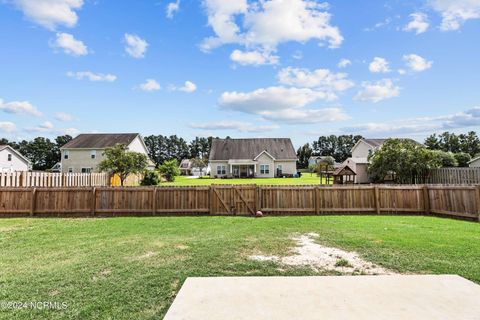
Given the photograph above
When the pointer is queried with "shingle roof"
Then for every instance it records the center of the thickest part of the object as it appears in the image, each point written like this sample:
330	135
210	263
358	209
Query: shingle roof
225	149
375	142
100	140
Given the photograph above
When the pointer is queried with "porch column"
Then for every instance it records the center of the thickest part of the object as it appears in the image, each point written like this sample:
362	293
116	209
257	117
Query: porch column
231	169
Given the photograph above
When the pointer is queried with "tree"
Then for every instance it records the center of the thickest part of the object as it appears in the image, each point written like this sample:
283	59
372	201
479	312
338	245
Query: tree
405	159
338	147
462	159
312	168
450	142
447	159
118	160
169	169
200	163
303	154
150	178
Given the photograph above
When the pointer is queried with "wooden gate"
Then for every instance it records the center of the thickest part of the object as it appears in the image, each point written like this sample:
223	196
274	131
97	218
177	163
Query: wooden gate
233	199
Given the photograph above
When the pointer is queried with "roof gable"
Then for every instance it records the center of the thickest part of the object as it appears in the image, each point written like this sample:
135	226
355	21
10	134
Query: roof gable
17	153
277	148
100	140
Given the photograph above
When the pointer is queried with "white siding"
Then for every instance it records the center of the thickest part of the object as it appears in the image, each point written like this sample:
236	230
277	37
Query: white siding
17	163
475	163
265	160
213	169
360	169
288	167
362	150
137	146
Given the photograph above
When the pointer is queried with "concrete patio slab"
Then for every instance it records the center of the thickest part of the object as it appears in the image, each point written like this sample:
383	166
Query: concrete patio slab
336	297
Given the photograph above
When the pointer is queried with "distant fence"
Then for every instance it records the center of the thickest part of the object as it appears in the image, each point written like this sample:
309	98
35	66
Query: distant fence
458	201
53	179
454	176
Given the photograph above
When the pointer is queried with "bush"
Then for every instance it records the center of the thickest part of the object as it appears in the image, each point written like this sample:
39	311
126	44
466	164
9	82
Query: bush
151	178
462	159
447	159
169	170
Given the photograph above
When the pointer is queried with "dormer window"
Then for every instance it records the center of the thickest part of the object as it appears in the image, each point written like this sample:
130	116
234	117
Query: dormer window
9	157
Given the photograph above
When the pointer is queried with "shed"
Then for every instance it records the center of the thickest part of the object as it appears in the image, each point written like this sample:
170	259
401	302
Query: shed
344	175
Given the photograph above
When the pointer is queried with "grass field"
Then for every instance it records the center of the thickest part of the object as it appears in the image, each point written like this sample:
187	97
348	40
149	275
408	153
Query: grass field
306	178
131	268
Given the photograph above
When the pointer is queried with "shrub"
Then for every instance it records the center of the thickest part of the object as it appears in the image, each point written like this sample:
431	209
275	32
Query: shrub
462	159
169	170
150	178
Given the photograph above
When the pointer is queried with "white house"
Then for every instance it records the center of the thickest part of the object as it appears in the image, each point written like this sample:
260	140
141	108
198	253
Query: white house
248	158
85	152
474	163
359	160
11	160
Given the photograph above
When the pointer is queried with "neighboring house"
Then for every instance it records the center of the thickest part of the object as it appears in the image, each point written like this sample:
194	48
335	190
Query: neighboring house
185	167
84	153
474	163
248	158
57	167
319	159
11	160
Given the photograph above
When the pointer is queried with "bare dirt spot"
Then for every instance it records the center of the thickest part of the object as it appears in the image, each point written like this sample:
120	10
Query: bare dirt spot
181	247
144	256
318	257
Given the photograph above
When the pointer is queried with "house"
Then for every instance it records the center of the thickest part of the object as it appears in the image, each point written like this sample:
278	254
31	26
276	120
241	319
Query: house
248	158
474	163
85	152
11	160
320	159
185	167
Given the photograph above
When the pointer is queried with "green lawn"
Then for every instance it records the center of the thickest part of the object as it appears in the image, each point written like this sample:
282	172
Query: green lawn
306	178
131	268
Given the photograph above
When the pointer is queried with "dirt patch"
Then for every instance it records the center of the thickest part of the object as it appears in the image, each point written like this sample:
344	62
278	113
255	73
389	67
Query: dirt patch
181	247
102	275
318	257
144	256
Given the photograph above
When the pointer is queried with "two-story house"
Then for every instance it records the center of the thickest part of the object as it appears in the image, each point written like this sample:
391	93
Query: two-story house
85	152
11	160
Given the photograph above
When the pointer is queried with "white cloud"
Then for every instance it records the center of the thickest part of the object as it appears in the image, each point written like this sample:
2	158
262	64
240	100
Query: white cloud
282	104
172	7
19	107
150	85
297	55
379	65
255	58
50	13
135	46
48	128
266	24
464	119
64	117
418	23
233	125
188	87
417	63
377	91
321	79
344	63
70	45
92	76
7	127
455	12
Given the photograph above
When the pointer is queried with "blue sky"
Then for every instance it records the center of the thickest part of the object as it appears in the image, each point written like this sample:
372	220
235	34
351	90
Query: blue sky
288	68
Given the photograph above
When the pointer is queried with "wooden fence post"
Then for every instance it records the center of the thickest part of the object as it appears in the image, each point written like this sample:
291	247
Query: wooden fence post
94	200
377	200
426	199
34	199
210	198
477	202
316	192
154	201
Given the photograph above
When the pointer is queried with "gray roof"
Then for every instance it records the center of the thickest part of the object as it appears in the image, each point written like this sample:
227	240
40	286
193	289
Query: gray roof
375	142
100	140
225	149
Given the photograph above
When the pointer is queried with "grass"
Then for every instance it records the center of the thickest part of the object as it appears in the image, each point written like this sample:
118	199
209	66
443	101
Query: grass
131	268
342	263
306	178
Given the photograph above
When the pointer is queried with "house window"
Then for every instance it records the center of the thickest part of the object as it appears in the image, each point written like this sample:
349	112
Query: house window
70	170
86	170
264	169
279	167
93	154
9	157
221	170
65	154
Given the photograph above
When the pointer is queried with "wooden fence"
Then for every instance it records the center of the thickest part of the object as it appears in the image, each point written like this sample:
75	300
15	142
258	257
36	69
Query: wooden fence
459	201
454	176
53	179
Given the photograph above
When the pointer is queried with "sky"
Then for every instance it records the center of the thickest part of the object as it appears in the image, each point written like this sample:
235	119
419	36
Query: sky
266	68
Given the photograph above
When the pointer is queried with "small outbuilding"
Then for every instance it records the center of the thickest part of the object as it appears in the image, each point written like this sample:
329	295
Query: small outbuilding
344	175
